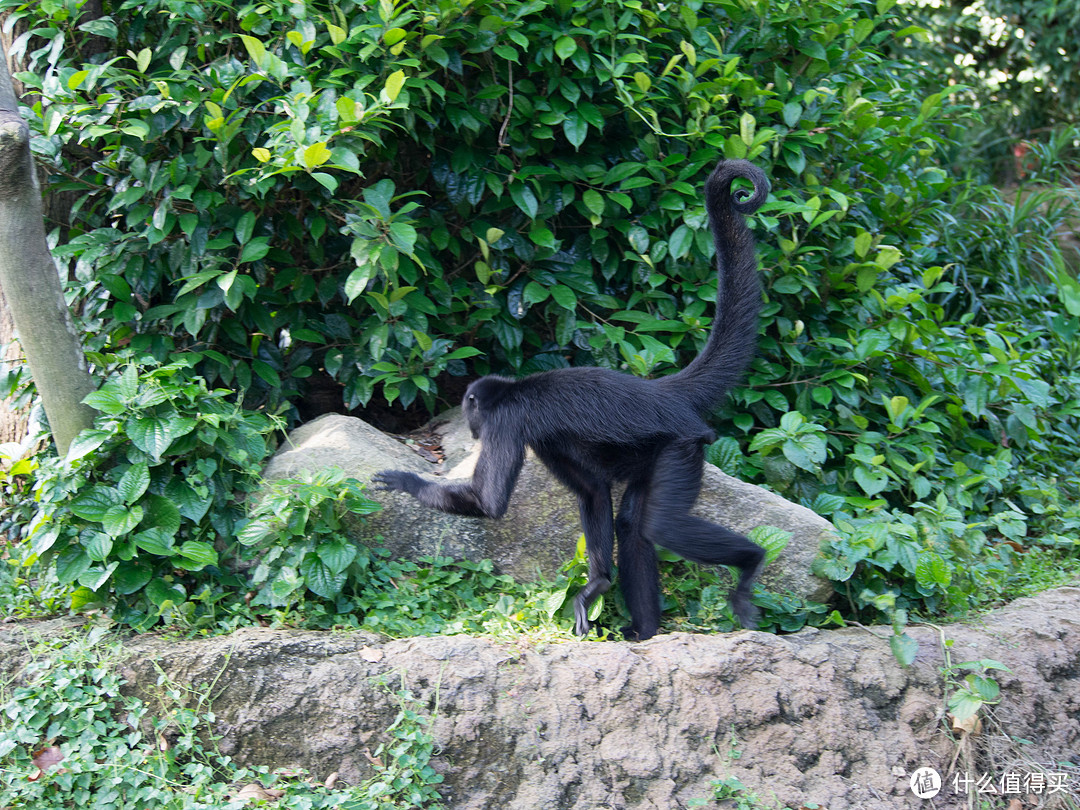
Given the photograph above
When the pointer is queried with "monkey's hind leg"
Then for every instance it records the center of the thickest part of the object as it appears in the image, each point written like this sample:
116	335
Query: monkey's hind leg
639	576
675	486
595	509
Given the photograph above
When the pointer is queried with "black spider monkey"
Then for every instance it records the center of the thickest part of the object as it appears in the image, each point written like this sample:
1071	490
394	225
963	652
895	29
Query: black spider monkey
593	426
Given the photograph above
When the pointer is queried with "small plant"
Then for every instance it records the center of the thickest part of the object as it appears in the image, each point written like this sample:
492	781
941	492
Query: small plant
731	790
139	511
969	688
296	532
403	777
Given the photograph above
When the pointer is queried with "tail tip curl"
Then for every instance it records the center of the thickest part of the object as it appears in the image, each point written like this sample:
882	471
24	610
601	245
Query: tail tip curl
718	186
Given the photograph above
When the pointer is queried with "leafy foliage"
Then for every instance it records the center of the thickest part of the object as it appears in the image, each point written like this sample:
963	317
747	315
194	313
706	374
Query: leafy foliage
362	188
73	737
390	193
296	530
140	508
1014	61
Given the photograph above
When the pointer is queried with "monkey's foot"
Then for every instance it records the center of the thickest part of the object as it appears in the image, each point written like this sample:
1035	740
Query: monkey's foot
745	611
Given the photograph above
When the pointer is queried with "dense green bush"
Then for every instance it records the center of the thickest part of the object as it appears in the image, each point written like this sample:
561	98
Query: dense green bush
382	191
140	509
392	194
1017	63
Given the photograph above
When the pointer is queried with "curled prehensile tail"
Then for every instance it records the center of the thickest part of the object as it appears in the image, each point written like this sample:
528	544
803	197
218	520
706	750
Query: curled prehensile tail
738	291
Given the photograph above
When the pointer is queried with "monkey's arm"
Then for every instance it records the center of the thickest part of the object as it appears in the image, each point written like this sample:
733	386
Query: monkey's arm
486	495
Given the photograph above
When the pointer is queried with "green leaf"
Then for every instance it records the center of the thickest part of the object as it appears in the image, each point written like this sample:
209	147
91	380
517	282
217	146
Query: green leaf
986	688
266	373
161	513
403	235
95	578
196	555
97	546
534	293
357	282
725	454
130	577
159	591
463	352
747	128
257	531
863	242
872	482
85	443
337	556
575	127
255	250
244	227
564	296
394	82
904	648
100	27
155	541
288	579
791	113
319	578
188	501
106	400
772	539
524	199
71	563
193	282
931	569
554	601
315	155
638	238
256	50
134	482
594	201
93	504
565	47
121	519
153	433
327	181
680	242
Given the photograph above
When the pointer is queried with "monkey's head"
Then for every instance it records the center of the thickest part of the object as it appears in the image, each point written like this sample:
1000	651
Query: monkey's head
481	398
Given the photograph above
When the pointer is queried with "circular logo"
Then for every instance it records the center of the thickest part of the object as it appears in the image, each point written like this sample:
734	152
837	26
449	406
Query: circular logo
926	783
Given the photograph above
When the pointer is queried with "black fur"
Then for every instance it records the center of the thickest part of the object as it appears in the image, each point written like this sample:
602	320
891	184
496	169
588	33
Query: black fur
592	427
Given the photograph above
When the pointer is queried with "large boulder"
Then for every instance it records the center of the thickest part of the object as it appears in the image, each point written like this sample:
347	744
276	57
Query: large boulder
821	718
540	529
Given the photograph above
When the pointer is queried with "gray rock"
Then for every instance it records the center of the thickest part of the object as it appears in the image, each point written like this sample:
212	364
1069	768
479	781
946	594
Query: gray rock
540	530
818	718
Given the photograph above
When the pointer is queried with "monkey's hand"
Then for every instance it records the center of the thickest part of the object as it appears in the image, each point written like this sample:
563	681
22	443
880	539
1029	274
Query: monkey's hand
397	481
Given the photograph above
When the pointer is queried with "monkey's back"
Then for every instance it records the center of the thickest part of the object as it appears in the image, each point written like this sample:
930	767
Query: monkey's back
601	406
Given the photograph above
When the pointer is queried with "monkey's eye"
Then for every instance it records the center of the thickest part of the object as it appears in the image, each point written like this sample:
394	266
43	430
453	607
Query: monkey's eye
472	397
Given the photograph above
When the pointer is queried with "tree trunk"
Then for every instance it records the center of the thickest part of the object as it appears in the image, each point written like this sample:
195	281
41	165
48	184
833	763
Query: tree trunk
13	423
31	284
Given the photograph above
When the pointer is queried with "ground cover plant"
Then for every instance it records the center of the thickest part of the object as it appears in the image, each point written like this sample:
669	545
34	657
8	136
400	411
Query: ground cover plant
71	736
378	200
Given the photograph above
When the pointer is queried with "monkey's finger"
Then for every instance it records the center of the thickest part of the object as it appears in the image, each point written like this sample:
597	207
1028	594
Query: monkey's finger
581	621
